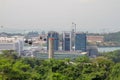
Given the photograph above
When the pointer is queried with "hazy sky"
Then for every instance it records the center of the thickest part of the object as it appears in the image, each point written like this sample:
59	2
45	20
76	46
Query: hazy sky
89	15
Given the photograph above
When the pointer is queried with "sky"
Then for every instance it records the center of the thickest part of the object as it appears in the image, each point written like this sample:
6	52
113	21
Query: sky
58	15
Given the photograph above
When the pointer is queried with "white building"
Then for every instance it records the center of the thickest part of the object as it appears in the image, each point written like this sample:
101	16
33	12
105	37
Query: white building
13	43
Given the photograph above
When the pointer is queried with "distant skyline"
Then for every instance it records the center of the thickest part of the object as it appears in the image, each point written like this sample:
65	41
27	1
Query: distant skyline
58	15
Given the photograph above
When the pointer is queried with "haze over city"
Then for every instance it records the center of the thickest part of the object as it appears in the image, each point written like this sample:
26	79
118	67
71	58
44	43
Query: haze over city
58	15
59	39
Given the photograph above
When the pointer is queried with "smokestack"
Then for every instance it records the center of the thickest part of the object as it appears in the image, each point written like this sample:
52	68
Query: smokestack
51	48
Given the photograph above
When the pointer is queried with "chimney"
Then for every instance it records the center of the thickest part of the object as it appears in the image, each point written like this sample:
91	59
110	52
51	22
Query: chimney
51	48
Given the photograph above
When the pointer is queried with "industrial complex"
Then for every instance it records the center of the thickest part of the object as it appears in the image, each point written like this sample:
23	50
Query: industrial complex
67	44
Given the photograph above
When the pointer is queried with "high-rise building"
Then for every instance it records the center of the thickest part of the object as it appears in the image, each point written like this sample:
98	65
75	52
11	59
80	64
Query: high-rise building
80	42
66	45
55	36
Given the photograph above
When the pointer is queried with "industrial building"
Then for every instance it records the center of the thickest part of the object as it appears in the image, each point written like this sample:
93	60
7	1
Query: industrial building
67	43
55	35
95	39
13	43
80	42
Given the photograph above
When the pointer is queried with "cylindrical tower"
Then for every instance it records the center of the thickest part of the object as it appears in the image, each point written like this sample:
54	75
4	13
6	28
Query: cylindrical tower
51	48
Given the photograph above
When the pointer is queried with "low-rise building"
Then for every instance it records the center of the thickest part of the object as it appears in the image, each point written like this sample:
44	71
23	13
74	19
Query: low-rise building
12	43
95	38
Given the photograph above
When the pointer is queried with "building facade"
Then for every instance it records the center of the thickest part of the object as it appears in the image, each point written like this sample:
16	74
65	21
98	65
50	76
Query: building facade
95	38
55	36
80	42
11	44
66	45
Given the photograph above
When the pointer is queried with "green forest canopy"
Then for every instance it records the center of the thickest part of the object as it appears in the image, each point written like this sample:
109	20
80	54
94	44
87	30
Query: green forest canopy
104	67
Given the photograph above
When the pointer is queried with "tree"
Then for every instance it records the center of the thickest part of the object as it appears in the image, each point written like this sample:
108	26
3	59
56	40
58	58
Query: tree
82	59
20	71
115	72
5	68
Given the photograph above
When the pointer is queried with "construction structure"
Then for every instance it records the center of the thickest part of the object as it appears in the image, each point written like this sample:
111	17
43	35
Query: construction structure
73	32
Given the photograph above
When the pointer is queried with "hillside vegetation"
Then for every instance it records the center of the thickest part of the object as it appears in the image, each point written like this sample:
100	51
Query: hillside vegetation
105	67
114	37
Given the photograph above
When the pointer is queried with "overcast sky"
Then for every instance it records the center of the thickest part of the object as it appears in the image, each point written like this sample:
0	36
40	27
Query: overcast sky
58	15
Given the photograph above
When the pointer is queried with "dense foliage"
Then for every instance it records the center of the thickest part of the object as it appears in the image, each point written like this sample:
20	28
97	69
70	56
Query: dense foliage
104	67
113	55
114	37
